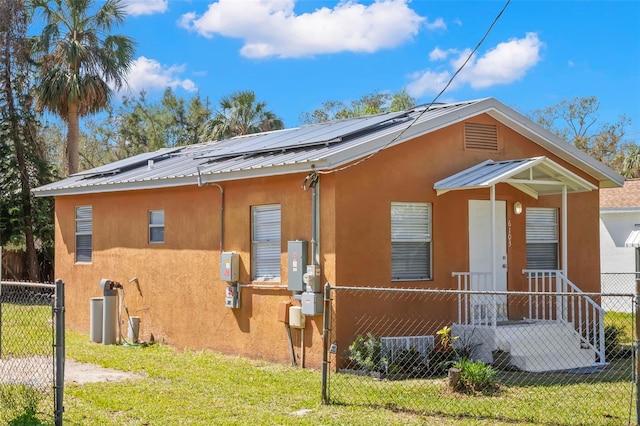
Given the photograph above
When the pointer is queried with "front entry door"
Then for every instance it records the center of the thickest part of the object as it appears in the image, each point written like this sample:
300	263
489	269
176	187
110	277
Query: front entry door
485	308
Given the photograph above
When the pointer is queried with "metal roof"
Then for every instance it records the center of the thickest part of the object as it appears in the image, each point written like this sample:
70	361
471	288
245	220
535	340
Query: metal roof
320	146
633	240
533	176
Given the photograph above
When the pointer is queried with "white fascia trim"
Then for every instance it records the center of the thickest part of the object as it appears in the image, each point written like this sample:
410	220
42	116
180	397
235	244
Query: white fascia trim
607	211
185	180
553	143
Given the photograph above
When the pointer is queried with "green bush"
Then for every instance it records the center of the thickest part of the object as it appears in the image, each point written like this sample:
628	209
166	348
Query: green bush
409	362
475	376
612	334
365	352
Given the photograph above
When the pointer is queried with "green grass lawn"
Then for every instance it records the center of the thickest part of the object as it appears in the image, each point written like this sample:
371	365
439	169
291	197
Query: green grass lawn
205	388
26	330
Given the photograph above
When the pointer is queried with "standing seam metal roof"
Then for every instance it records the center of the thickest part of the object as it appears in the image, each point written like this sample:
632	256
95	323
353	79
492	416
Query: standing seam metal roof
321	146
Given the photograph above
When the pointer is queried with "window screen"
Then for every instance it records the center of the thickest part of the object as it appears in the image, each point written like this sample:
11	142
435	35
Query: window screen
265	242
410	241
542	238
84	234
156	226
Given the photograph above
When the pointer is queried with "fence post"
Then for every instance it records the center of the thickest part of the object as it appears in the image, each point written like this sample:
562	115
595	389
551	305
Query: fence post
325	342
637	337
60	352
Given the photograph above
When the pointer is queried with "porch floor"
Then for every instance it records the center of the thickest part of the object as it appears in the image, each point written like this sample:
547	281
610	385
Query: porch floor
534	346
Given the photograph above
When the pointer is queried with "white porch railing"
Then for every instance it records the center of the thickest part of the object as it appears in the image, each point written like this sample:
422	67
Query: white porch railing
475	307
552	296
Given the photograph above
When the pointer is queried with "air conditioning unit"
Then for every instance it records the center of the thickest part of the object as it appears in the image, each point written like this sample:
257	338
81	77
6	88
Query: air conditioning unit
394	346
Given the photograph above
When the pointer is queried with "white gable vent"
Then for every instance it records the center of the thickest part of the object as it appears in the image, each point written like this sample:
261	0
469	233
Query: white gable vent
481	136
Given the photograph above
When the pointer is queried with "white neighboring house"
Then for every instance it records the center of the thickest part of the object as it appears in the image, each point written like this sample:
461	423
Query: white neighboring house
619	215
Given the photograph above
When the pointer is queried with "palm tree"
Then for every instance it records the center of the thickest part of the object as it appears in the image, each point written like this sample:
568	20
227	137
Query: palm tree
240	114
80	62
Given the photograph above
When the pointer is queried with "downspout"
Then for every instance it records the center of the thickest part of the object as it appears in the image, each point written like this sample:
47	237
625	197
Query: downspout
201	184
565	250
494	254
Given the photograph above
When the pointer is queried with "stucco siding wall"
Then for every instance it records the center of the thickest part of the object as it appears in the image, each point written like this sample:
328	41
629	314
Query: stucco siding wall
614	230
182	298
408	173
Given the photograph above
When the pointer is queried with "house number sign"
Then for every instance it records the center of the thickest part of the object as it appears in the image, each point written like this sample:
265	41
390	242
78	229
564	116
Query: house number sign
509	233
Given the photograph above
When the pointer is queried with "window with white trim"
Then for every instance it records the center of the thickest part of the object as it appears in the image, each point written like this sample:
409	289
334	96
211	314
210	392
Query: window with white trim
84	234
411	241
265	242
542	238
156	226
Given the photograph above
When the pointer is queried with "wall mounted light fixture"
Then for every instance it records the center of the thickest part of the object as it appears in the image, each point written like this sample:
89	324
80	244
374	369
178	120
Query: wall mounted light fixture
517	207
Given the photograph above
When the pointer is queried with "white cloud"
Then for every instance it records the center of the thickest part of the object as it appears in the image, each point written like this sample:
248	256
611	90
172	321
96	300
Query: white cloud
438	24
145	7
272	28
438	54
507	62
150	75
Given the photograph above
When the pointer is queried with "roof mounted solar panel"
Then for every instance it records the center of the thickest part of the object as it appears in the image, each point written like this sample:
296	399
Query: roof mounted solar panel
119	165
305	136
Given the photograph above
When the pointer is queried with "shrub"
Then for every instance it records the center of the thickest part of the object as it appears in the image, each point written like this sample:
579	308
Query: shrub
365	352
612	334
475	376
409	362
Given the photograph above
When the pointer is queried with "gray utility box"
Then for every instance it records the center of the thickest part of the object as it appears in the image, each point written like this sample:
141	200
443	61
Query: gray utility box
297	265
312	304
229	266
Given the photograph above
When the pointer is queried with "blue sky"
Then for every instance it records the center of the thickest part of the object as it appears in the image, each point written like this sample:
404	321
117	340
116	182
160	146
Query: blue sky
297	54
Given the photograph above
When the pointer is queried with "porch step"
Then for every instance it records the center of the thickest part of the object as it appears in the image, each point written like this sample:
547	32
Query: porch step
534	346
544	346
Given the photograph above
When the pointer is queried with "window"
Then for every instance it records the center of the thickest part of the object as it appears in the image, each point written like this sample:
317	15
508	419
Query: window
265	242
542	238
84	234
410	241
156	226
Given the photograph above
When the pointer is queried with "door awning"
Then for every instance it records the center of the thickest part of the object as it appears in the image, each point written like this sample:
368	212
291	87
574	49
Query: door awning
633	240
534	176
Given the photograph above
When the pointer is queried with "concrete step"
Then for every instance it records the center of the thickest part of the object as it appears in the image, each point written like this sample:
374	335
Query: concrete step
544	346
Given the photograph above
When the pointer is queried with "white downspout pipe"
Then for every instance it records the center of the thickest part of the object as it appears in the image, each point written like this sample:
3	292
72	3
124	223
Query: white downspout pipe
564	232
494	252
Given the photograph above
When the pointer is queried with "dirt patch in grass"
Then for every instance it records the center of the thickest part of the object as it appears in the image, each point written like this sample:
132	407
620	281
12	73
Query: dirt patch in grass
39	371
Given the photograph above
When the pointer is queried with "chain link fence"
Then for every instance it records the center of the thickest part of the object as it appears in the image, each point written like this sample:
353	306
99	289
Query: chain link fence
524	357
31	357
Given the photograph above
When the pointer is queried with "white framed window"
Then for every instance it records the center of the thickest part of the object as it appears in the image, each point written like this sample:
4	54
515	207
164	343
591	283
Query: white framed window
156	226
84	234
265	242
411	241
542	238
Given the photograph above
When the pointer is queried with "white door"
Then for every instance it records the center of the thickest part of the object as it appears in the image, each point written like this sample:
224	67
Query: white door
485	308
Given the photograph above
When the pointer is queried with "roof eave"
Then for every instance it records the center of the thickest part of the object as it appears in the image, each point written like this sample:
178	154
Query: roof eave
205	178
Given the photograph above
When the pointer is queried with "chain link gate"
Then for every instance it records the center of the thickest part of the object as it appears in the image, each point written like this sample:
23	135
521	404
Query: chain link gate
393	348
31	353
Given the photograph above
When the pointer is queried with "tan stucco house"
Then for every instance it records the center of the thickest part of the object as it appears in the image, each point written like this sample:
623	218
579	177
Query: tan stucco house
418	199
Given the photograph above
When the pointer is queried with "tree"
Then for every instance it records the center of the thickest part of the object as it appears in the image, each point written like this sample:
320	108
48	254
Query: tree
576	120
79	59
23	219
241	114
631	163
369	104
